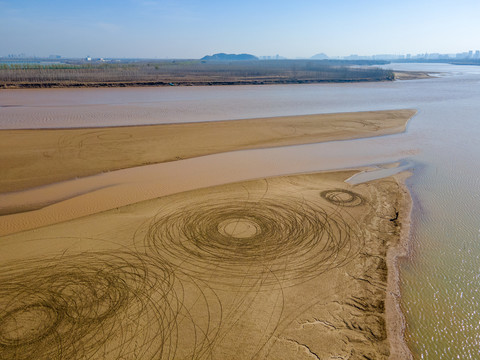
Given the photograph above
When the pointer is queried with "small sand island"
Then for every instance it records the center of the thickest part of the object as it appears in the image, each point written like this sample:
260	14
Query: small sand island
290	267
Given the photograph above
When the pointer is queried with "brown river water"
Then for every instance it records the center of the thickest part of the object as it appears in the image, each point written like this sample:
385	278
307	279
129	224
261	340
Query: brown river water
441	277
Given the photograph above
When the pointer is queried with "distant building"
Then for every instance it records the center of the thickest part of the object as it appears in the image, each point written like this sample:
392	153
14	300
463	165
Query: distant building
269	57
433	56
387	57
358	57
16	56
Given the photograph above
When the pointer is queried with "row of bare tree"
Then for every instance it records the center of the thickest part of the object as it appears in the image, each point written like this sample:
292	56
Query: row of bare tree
188	72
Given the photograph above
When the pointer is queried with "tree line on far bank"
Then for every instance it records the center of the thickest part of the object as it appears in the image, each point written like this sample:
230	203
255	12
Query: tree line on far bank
187	72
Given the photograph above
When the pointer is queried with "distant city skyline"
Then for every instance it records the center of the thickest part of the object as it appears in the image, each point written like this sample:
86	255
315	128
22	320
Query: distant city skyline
192	28
471	54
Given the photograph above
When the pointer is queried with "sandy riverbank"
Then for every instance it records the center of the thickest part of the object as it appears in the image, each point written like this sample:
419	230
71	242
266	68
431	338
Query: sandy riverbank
411	75
278	268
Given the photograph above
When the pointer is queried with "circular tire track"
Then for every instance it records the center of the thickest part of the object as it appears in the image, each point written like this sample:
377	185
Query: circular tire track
87	306
342	197
274	240
28	324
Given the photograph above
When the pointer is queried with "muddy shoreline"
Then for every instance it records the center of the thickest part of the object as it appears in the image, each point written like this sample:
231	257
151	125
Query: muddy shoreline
176	83
397	75
395	318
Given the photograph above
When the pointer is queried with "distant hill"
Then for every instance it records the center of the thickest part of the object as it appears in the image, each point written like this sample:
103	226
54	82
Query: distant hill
320	56
229	57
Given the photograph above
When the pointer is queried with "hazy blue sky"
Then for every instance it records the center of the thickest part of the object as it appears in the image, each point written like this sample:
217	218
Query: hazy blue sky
193	28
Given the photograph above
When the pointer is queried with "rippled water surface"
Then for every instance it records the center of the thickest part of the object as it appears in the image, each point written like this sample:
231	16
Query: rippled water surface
441	278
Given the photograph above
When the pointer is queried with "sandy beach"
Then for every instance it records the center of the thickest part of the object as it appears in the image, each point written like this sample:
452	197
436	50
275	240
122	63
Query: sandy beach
294	266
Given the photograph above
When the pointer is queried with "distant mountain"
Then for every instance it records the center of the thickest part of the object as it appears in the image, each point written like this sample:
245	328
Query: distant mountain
229	57
320	56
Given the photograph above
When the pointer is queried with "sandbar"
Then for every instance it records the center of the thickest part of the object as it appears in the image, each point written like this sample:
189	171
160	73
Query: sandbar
33	158
412	75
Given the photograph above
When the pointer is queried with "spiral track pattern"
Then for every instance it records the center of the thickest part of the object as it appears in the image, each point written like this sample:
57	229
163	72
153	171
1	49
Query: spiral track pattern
73	307
342	197
285	239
